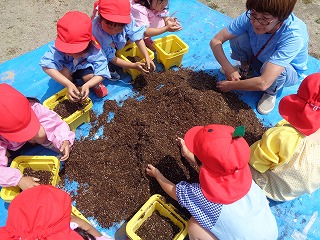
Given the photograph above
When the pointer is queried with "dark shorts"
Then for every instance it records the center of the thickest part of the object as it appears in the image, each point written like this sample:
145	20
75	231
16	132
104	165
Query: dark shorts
82	72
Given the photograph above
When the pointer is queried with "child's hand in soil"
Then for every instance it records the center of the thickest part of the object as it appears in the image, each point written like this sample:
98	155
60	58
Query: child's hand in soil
73	93
140	66
153	171
84	92
28	182
65	150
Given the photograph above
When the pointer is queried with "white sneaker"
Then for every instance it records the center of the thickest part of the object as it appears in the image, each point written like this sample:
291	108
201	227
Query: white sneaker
114	76
266	103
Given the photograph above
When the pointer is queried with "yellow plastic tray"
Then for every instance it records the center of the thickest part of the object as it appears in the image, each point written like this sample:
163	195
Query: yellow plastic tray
132	50
48	163
156	202
170	50
75	119
78	214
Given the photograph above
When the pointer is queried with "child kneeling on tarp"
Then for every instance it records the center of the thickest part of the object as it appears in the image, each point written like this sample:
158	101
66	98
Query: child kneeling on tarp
226	204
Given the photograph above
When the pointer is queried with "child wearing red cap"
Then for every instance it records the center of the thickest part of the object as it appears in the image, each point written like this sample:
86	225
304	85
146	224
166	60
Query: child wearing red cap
285	162
76	55
113	27
153	14
44	213
28	121
226	204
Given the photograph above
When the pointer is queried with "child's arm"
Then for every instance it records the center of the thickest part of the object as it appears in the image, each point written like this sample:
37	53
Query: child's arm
142	46
172	25
89	83
185	152
73	91
122	63
85	226
166	185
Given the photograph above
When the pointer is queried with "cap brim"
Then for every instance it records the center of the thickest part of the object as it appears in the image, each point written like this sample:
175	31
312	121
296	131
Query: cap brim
116	18
27	133
225	189
299	114
70	48
189	137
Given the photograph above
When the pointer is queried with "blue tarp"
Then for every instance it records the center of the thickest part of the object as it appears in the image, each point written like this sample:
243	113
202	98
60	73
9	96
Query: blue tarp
297	219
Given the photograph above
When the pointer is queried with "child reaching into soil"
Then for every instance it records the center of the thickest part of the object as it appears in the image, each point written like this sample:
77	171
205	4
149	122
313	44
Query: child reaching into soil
153	14
227	203
76	55
27	121
114	27
285	162
271	44
44	212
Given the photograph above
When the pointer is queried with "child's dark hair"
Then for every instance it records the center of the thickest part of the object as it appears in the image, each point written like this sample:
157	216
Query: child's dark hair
277	8
83	233
145	3
33	99
113	24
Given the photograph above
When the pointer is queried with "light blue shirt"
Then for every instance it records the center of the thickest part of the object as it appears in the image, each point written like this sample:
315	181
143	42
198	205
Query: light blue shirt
288	46
249	218
95	58
130	31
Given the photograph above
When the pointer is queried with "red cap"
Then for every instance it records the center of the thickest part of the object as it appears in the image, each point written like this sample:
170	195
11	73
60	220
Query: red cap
225	175
74	31
18	121
115	11
302	110
42	212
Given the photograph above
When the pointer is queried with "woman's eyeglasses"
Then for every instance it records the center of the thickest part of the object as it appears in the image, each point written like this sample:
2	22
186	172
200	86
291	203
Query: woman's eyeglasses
262	21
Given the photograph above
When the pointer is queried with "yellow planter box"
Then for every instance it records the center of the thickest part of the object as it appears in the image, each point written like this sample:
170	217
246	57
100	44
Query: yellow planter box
76	118
78	214
132	50
47	163
170	50
154	203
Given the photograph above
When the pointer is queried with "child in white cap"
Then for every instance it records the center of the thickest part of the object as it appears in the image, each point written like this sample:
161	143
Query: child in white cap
226	204
286	161
76	55
27	121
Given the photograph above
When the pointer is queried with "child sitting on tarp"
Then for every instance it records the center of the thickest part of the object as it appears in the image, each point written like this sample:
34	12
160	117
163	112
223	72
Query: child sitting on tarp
44	213
25	121
286	161
76	55
227	204
113	28
153	14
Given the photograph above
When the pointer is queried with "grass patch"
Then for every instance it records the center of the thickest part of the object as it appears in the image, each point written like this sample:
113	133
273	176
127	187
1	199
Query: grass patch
307	1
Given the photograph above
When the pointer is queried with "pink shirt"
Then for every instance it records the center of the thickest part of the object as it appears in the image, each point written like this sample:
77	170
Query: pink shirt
57	131
147	17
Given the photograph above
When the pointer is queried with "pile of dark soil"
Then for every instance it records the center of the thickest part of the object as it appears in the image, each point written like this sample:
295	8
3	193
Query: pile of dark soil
44	176
111	170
